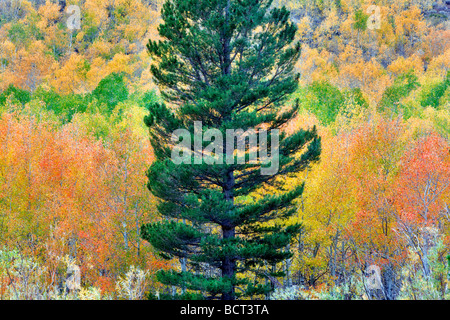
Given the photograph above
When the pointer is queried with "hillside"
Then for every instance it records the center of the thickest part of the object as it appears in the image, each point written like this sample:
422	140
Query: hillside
374	78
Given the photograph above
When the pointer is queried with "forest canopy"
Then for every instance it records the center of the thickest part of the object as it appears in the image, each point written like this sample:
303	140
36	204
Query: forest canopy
367	83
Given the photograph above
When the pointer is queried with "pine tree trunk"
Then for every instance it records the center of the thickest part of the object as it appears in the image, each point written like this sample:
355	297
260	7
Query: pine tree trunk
228	265
229	232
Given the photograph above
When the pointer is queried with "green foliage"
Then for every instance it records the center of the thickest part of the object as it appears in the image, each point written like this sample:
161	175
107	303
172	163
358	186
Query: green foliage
22	33
176	296
104	99
90	34
111	90
357	96
402	87
64	106
228	64
432	96
360	20
144	99
19	95
17	33
324	100
448	267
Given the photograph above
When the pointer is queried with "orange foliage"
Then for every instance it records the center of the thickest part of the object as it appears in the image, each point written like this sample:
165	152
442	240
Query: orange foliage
64	193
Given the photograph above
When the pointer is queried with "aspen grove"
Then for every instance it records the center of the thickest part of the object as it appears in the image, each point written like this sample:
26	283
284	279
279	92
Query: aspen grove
225	149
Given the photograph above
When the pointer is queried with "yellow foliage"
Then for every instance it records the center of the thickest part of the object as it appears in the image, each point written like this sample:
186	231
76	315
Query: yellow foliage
402	65
49	11
71	76
440	65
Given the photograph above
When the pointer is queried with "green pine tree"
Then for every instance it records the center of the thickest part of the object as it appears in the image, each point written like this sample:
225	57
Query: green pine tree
228	64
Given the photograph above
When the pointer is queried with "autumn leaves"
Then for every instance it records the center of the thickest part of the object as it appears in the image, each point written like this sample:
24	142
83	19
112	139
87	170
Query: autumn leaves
64	193
379	193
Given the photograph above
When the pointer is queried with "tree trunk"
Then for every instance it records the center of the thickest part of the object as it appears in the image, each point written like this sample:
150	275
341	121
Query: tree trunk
229	232
228	265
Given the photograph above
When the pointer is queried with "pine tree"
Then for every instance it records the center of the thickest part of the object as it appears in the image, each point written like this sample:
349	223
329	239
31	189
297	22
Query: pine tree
227	64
